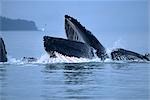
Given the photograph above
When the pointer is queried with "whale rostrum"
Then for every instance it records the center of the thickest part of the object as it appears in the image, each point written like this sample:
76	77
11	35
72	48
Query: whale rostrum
81	42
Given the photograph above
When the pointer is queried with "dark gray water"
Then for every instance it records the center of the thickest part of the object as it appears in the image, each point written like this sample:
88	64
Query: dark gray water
80	81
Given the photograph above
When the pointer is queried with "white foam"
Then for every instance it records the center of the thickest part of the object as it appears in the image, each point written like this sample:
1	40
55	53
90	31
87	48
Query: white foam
61	59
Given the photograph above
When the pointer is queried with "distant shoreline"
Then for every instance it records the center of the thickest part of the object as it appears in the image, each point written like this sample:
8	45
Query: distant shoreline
8	24
20	30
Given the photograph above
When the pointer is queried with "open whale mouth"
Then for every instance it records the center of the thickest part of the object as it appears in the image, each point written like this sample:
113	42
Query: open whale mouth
79	43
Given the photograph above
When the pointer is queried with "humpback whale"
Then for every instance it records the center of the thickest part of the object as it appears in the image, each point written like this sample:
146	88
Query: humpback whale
75	31
3	53
122	54
67	47
81	42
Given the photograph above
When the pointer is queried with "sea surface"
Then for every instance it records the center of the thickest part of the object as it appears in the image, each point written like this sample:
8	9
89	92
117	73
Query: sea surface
67	78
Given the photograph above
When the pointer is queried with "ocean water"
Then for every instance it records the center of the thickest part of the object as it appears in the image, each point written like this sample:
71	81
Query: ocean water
66	78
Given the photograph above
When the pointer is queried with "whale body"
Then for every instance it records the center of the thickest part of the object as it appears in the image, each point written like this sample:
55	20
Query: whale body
3	53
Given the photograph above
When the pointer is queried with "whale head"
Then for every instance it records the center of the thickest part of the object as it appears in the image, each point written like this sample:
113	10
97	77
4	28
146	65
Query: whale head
75	31
67	47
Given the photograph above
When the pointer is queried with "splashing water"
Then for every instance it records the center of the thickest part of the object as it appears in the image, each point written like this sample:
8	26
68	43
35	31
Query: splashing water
45	59
65	59
116	44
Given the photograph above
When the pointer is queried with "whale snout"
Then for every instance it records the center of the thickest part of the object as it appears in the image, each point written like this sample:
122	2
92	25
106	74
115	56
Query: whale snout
48	39
49	43
45	38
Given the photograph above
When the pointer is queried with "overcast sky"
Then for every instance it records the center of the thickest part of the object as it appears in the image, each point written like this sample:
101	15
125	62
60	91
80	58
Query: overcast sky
108	16
107	19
